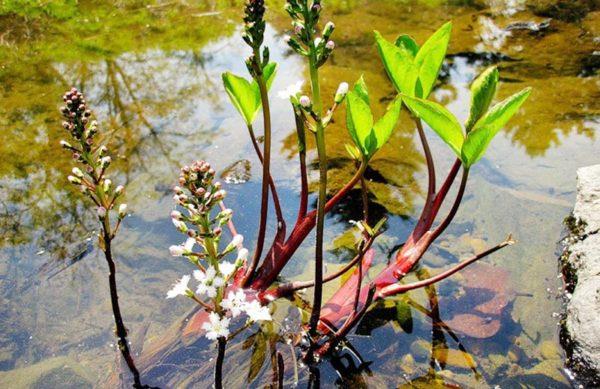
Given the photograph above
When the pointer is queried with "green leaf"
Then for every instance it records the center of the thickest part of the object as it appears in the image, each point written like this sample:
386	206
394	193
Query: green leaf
360	87
399	65
439	119
359	119
353	151
429	59
269	73
483	90
385	125
407	42
245	96
488	126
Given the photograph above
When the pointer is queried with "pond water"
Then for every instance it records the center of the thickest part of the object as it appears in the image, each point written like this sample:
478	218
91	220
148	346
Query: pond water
152	75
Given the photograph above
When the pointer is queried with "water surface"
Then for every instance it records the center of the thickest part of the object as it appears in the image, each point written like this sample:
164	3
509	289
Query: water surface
152	74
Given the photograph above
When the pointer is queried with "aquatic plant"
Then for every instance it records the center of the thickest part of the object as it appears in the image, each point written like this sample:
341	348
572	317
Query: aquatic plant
413	70
231	283
91	177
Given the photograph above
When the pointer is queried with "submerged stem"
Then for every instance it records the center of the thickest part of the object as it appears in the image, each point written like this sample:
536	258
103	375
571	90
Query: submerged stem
121	331
221	343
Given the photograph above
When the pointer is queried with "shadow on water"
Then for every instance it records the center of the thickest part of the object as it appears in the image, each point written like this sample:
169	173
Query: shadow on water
153	74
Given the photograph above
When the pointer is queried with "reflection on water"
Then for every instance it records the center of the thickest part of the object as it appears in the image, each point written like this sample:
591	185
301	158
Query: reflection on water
153	75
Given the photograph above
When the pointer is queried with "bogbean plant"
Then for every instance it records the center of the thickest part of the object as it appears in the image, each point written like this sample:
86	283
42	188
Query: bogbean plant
226	289
90	175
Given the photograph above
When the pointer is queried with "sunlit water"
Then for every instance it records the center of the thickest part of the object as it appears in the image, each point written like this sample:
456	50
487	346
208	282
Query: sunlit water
153	77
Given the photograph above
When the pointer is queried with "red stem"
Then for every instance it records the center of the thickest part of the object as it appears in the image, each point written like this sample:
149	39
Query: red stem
291	287
279	256
398	288
276	201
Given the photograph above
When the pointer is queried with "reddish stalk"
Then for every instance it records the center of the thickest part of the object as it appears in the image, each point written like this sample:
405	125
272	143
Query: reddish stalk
347	326
264	204
398	288
271	267
291	287
276	202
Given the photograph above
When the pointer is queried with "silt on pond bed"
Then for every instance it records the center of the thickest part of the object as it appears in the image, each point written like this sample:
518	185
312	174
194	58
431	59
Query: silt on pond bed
158	87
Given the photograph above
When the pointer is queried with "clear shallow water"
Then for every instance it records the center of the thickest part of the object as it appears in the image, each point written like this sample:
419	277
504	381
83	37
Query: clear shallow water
153	76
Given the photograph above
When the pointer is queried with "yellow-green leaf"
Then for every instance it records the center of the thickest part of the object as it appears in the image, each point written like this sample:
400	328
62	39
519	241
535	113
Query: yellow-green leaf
439	119
399	65
483	90
429	59
488	126
359	120
385	125
245	95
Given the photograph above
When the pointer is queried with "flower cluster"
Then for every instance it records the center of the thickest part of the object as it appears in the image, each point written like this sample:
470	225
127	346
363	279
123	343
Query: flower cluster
93	158
305	16
253	35
202	219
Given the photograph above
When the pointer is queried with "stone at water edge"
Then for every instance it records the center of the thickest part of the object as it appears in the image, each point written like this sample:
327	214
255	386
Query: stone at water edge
583	310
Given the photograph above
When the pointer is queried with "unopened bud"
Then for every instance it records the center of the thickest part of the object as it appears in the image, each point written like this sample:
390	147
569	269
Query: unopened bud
341	92
101	212
106	185
105	161
122	210
305	101
74	180
119	190
77	172
65	144
330	45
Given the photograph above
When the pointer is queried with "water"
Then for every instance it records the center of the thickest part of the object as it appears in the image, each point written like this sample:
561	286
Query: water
152	75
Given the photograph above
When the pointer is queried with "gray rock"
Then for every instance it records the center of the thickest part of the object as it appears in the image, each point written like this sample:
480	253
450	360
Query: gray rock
583	255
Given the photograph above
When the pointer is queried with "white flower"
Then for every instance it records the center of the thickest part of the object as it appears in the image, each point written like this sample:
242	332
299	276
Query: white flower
242	255
208	282
176	250
317	41
330	45
257	312
181	249
226	268
179	288
237	240
216	327
189	244
181	226
101	212
235	302
291	91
